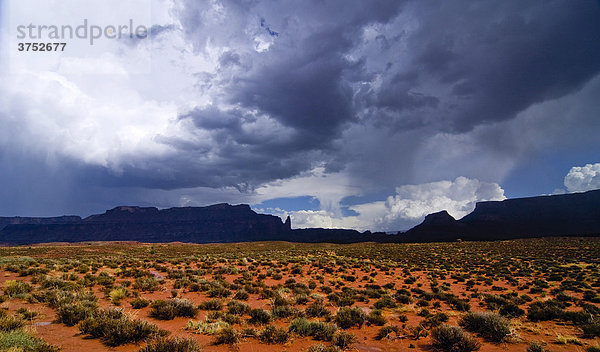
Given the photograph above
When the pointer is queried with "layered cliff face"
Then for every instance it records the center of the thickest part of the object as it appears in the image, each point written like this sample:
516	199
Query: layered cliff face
215	223
558	215
568	214
17	220
436	227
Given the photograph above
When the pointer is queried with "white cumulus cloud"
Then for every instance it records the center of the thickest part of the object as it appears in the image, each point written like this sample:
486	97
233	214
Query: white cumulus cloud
583	178
407	208
413	202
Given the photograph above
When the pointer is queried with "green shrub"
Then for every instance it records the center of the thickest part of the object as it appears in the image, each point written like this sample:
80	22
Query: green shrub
185	308
422	303
176	344
116	328
403	298
590	308
231	319
139	303
211	304
435	320
147	284
82	269
319	331
578	317
511	310
9	323
536	347
218	291
56	298
27	314
300	326
301	299
385	332
424	313
49	282
162	310
15	288
272	334
241	295
376	317
167	310
591	330
227	336
237	308
207	327
21	341
72	313
460	305
346	318
259	316
104	279
117	294
567	340
322	348
488	325
283	312
316	310
447	338
249	332
385	302
343	339
278	301
416	332
548	310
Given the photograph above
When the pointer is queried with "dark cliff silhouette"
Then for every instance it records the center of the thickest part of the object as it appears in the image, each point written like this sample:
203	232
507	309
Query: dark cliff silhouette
17	220
576	214
215	223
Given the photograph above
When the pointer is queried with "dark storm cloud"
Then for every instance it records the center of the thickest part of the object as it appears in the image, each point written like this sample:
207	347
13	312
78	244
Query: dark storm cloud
458	65
304	93
236	154
301	80
499	58
34	185
431	67
300	83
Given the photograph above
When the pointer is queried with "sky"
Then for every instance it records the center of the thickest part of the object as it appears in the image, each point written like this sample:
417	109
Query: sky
354	114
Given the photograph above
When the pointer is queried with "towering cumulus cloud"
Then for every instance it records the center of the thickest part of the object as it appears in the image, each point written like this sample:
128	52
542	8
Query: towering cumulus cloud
412	202
407	207
583	178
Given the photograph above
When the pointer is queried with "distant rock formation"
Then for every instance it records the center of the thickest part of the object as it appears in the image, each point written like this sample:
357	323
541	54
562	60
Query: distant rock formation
319	235
211	224
17	220
439	226
557	215
560	215
215	223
